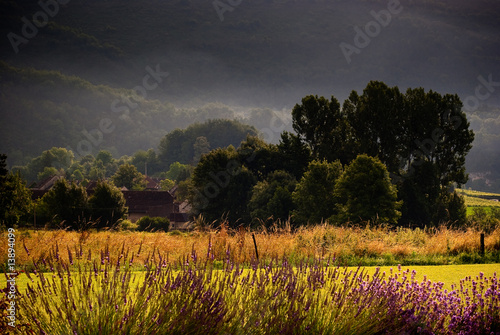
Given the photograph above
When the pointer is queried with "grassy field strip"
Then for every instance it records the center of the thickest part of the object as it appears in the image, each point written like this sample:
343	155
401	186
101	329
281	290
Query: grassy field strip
474	199
476	193
448	274
479	202
22	280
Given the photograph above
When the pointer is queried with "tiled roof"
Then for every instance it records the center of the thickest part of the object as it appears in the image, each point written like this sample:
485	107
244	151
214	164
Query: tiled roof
142	200
151	184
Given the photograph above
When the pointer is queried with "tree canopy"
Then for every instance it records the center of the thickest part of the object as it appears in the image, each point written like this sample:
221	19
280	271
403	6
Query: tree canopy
128	176
272	197
187	145
15	197
107	205
314	195
65	205
364	193
68	205
221	186
422	137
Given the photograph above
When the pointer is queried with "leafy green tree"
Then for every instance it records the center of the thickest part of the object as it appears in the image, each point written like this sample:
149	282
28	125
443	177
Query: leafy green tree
451	209
177	172
258	156
319	122
3	167
65	205
238	194
437	132
184	174
201	146
49	172
377	124
439	141
83	166
105	157
97	170
365	193
167	184
417	135
294	155
107	205
15	197
178	145
128	176
143	160
184	190
273	197
55	158
221	186
485	221
420	192
313	197
77	175
171	148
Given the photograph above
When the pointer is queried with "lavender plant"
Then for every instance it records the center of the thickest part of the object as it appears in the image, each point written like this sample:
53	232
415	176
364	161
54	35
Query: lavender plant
105	296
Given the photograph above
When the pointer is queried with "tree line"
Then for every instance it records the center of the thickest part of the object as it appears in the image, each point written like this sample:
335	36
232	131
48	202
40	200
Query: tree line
68	205
177	151
383	156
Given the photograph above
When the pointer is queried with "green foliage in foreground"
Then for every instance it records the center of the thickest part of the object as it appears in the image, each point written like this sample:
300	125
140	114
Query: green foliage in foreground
269	298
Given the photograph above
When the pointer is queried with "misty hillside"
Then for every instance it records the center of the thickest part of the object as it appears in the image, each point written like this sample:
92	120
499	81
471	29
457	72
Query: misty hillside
257	54
42	109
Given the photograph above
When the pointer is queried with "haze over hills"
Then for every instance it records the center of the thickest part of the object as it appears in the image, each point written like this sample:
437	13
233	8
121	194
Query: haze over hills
251	54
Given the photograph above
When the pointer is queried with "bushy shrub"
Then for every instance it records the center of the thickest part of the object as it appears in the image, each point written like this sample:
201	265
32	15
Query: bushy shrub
486	221
147	223
128	225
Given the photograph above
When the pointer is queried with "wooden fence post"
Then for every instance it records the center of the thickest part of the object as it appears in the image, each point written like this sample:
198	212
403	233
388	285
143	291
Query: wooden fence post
255	245
482	245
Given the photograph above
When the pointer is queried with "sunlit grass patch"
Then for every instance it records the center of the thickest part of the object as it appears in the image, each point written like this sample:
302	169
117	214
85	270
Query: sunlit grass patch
477	199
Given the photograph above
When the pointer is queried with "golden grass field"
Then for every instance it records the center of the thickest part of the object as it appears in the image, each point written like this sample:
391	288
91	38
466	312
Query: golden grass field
318	241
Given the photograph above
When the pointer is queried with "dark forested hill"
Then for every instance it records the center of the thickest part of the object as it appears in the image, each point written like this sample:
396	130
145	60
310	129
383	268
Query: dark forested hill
268	52
259	53
40	109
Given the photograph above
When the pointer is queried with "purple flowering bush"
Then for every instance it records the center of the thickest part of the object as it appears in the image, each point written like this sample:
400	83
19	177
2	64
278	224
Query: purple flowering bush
194	297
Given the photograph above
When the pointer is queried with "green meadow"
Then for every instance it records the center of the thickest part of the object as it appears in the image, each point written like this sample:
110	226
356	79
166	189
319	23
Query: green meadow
447	274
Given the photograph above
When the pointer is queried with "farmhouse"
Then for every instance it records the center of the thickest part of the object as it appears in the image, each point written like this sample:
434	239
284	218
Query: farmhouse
148	203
